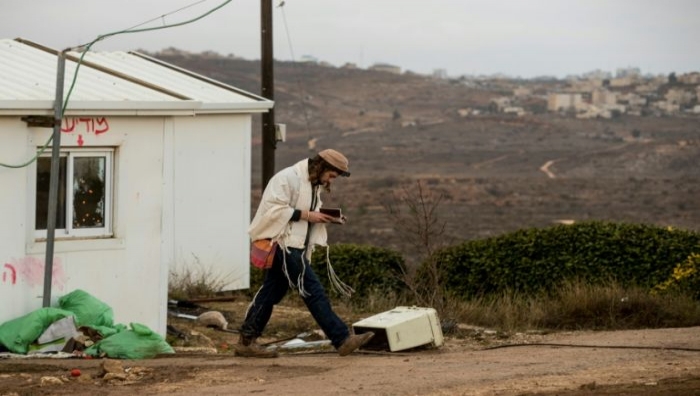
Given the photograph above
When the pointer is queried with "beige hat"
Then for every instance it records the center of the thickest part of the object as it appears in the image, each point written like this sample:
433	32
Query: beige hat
336	160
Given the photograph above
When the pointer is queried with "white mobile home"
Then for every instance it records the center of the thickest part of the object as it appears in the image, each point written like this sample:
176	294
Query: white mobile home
154	173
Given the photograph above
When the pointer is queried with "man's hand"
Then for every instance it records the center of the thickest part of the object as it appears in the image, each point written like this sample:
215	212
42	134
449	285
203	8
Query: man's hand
318	217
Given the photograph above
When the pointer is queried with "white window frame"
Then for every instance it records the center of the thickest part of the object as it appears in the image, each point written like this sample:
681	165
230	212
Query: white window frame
92	232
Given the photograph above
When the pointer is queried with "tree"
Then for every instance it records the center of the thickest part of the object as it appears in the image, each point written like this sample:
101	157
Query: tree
672	79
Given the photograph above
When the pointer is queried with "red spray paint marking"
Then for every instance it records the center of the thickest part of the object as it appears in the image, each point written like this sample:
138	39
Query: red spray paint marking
13	274
96	126
31	271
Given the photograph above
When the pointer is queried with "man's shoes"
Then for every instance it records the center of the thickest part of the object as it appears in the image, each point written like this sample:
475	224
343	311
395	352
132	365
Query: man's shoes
247	347
353	342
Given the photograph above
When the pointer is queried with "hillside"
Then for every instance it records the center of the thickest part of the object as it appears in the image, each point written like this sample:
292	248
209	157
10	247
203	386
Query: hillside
494	172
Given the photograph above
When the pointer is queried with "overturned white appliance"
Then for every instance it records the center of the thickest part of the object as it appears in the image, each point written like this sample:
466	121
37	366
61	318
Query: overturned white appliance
402	328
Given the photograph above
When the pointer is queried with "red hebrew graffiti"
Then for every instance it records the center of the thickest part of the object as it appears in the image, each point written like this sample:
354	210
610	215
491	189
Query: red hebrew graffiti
102	126
12	273
88	125
83	125
31	271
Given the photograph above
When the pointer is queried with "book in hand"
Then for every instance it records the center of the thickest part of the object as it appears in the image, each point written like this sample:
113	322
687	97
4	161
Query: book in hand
335	213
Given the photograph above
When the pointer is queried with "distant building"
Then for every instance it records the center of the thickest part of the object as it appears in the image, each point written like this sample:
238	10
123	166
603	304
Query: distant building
385	67
623	81
586	85
628	72
210	54
563	101
597	75
440	74
667	106
308	59
649	88
519	111
465	112
632	99
689	78
520	92
603	97
680	96
500	103
170	51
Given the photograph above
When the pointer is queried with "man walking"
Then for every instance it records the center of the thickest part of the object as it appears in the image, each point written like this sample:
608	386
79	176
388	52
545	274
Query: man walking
289	215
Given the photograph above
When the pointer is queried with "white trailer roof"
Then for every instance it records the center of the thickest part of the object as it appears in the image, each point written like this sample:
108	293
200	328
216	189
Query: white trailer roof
111	83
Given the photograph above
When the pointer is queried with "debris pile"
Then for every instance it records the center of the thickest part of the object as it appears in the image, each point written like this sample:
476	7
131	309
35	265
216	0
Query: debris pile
82	325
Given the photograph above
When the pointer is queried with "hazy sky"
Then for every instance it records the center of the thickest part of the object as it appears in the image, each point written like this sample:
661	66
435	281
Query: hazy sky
518	37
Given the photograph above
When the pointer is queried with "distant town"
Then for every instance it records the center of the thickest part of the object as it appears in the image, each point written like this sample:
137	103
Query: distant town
596	94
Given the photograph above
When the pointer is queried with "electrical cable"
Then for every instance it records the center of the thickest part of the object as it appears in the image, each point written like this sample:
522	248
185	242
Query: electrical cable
291	51
386	353
594	346
85	48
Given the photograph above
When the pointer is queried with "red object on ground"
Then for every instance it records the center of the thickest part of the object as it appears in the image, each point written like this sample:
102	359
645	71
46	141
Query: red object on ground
75	373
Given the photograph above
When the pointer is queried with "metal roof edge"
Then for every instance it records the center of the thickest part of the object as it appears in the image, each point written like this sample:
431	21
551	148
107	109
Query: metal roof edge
200	77
253	106
45	107
97	105
9	105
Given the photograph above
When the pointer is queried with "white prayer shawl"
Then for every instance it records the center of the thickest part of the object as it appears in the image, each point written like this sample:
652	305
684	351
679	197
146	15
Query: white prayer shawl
286	191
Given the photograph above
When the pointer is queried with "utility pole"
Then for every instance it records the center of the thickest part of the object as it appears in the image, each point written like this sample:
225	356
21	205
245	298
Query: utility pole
53	181
269	139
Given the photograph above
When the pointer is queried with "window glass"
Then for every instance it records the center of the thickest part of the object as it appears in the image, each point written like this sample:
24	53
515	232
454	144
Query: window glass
88	192
84	193
43	178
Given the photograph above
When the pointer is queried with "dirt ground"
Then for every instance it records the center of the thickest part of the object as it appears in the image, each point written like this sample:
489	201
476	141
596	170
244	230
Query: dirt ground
471	361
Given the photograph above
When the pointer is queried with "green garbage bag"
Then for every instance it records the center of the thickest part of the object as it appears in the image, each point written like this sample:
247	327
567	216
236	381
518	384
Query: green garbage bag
138	343
17	334
89	311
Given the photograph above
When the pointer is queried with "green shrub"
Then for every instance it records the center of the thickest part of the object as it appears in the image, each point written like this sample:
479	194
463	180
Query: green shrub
536	260
367	269
684	278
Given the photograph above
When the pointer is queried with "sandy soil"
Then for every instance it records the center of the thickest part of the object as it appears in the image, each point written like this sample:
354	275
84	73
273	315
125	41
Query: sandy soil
639	362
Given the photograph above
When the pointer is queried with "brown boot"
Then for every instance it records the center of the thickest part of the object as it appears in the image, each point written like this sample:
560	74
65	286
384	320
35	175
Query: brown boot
353	342
247	347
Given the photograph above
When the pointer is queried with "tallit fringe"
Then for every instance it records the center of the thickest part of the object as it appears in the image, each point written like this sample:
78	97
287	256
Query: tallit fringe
299	285
252	303
336	283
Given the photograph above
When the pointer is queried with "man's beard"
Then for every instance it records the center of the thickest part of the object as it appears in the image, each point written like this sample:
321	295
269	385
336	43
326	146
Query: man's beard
327	186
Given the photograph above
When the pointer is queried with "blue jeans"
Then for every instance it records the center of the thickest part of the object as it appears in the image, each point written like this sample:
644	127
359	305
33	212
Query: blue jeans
275	287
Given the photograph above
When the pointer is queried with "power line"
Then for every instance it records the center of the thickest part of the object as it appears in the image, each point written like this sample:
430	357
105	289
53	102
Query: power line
302	96
85	48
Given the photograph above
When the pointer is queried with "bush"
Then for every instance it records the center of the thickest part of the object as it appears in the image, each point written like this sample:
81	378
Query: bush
685	278
367	269
364	268
536	260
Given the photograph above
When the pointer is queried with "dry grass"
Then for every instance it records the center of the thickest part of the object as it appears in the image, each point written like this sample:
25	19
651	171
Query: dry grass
576	306
194	281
